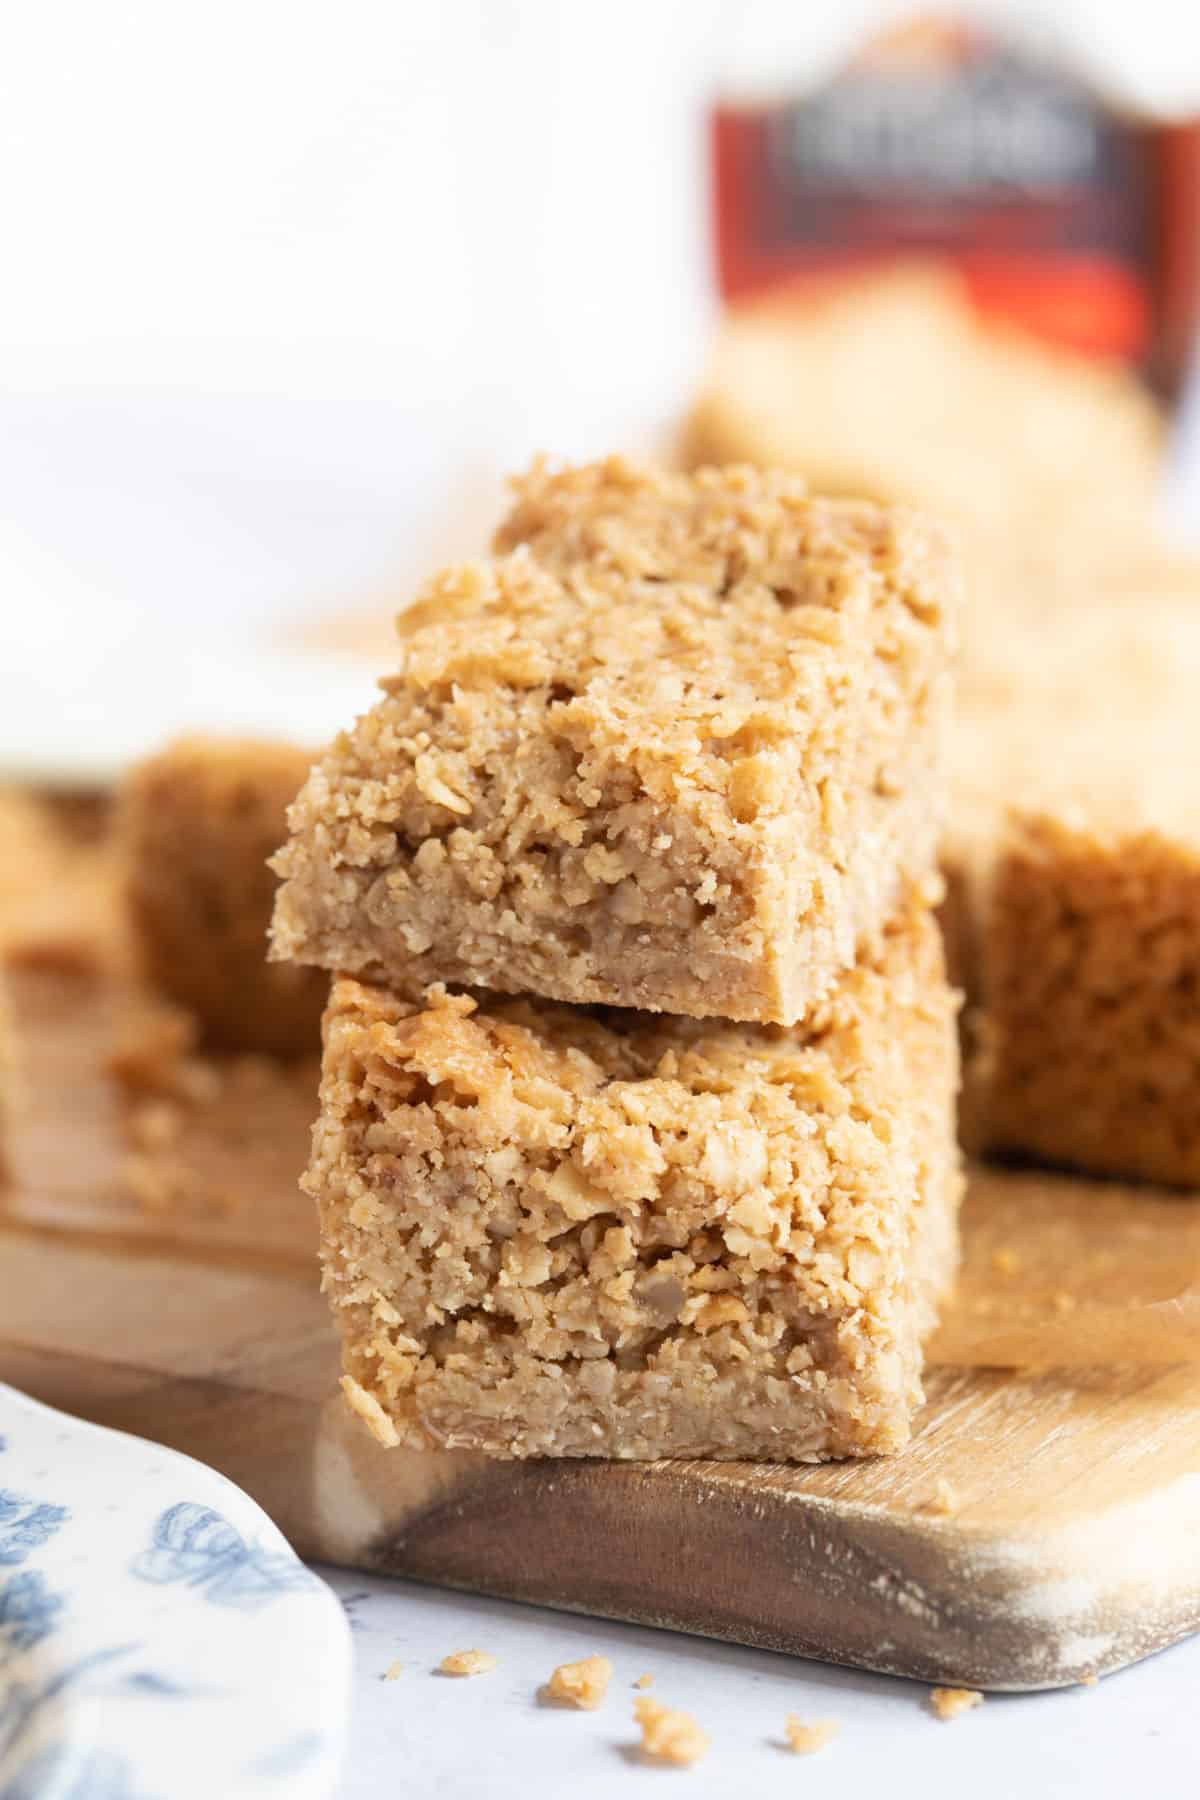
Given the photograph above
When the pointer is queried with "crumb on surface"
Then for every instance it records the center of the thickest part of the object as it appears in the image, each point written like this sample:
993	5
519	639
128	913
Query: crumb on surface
1089	1680
151	1044
467	1662
948	1703
806	1739
945	1498
583	1684
156	1187
644	1681
155	1124
1006	1261
670	1736
198	1080
204	1134
393	1671
155	1057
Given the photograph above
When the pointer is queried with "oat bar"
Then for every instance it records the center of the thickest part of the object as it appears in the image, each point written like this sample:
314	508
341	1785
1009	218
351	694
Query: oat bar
555	1232
198	822
677	748
1074	865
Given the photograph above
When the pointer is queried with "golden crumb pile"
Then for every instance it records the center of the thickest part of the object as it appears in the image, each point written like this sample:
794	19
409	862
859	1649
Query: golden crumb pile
155	1063
948	1703
582	1684
204	1132
669	1736
394	1671
467	1662
805	1739
644	1681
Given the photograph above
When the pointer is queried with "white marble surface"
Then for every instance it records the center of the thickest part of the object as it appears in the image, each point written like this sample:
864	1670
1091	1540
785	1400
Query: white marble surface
426	1734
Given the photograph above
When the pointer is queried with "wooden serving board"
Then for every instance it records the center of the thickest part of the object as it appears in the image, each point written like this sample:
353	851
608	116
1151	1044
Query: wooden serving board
1071	1543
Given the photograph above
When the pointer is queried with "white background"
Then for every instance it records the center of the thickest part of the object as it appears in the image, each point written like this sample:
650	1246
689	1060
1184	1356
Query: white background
287	285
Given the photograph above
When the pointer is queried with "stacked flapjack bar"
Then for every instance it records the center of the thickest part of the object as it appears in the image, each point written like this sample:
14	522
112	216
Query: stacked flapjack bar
199	821
1074	865
658	791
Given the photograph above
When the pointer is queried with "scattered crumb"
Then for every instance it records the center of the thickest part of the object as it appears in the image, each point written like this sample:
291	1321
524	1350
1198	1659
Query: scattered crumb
581	1684
644	1681
944	1498
948	1703
149	1048
161	1181
1006	1262
669	1736
196	1126
805	1739
1063	1302
467	1662
394	1671
155	1124
1088	1680
156	1188
195	1080
155	1054
198	1080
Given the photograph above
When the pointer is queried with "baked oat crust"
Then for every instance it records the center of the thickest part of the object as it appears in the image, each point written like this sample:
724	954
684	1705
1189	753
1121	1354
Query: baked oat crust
548	1232
678	748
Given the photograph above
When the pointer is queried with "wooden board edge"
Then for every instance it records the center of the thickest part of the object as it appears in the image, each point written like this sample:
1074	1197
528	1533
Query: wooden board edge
914	1597
786	1571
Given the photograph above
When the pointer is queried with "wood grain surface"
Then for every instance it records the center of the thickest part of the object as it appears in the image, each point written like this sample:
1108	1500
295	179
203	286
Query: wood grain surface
1043	1526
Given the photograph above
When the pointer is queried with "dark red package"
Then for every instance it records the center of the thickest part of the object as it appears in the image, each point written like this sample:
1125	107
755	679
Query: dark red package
1063	212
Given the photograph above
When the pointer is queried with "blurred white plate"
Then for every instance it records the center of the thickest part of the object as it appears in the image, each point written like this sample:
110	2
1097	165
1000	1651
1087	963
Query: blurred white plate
158	1637
86	686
